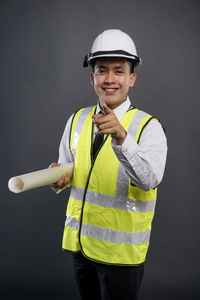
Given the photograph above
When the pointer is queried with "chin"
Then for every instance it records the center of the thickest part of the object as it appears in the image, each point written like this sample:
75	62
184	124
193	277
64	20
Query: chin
115	102
109	102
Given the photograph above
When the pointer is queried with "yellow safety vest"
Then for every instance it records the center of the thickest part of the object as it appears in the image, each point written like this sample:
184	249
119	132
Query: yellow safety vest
108	218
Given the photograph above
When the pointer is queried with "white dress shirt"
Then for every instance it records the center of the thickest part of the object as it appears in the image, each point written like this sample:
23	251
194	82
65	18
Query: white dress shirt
144	163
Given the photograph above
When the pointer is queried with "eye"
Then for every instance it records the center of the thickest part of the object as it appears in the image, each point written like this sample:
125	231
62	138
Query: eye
119	72
100	71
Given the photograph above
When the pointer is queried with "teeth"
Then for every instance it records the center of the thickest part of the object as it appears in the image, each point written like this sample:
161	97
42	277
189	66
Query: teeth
109	90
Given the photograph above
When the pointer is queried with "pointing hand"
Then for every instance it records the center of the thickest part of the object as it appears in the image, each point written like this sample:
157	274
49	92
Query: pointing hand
108	123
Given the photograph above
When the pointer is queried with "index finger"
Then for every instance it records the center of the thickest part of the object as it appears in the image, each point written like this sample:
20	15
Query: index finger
101	118
106	109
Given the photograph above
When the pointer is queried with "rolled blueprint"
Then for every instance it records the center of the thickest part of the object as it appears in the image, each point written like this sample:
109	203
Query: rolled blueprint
37	179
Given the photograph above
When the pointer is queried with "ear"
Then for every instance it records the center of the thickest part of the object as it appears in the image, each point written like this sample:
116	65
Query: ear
133	79
92	78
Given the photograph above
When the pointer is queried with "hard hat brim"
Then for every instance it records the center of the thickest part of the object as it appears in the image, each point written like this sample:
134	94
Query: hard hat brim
117	53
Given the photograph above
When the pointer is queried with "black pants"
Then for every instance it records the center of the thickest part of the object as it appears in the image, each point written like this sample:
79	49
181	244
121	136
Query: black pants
106	282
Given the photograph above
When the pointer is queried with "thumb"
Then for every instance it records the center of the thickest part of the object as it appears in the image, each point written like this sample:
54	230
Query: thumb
106	109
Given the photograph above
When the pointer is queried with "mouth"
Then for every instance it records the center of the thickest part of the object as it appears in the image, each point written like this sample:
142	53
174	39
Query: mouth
110	90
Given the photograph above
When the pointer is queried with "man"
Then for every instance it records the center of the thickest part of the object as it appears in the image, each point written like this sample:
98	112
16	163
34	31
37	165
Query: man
119	154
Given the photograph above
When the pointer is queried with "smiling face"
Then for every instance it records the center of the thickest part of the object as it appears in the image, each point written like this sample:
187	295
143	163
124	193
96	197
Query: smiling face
112	79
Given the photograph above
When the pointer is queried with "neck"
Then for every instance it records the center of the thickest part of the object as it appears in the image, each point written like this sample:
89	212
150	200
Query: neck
111	106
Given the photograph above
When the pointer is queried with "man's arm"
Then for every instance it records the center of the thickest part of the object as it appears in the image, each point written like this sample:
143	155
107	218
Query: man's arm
144	163
65	156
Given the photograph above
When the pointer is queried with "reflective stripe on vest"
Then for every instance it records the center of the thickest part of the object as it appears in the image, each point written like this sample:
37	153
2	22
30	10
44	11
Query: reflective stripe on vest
107	218
108	235
117	202
82	117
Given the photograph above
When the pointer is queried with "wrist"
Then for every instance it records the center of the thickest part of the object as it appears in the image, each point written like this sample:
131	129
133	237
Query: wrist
119	140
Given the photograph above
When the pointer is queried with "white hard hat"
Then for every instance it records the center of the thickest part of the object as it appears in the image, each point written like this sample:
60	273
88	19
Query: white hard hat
112	43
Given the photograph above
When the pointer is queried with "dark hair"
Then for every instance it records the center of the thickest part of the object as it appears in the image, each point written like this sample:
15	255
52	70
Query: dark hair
132	64
92	64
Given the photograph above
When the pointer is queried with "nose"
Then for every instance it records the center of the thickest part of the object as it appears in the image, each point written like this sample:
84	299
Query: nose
109	78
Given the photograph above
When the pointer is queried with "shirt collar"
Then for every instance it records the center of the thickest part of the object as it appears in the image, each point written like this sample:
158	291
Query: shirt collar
120	110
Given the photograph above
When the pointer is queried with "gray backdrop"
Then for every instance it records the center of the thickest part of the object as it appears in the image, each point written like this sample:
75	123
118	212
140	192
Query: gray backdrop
42	45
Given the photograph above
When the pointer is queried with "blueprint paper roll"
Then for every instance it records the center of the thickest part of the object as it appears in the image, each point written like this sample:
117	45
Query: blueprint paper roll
39	178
